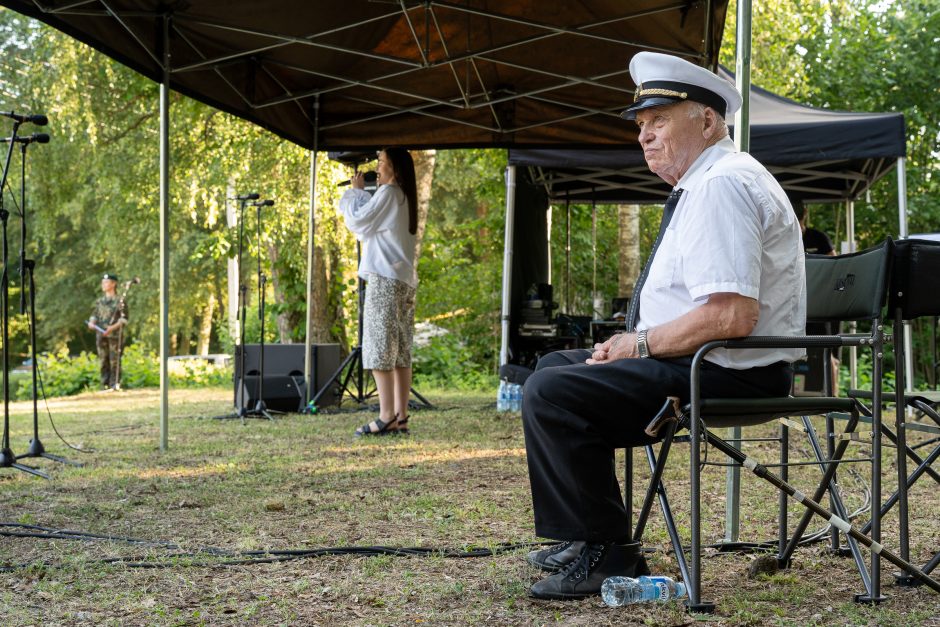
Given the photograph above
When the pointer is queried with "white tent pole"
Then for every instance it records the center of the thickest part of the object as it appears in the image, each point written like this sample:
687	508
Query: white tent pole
902	197
311	251
742	140
507	261
850	235
902	231
165	238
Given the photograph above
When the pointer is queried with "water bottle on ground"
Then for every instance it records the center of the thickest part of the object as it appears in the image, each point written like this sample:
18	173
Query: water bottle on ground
618	591
515	397
502	396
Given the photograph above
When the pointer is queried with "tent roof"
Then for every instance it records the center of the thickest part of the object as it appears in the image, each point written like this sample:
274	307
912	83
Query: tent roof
414	73
817	154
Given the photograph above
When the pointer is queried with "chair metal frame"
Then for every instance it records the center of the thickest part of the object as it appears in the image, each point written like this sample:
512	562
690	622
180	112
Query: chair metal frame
914	292
822	271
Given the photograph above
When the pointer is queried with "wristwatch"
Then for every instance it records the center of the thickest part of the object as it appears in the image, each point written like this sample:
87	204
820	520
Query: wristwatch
642	346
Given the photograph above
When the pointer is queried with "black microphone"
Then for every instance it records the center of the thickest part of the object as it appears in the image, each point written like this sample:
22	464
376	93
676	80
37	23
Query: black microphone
38	119
263	203
369	178
247	197
39	138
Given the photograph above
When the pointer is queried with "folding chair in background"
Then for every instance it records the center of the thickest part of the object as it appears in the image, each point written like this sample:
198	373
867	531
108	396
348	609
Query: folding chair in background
914	292
844	288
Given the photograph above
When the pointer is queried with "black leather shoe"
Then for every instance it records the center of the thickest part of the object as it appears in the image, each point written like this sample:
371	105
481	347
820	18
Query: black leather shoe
583	576
557	556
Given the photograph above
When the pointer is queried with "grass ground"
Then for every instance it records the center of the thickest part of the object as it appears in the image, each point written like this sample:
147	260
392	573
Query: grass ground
302	482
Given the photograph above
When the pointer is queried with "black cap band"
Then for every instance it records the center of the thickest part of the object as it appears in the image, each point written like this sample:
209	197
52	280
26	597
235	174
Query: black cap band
662	92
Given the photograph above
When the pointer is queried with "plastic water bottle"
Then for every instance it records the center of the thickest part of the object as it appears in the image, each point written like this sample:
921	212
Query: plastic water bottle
502	396
618	591
515	397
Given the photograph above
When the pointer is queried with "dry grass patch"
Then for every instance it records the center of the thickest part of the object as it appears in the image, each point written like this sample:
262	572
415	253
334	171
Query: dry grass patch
302	482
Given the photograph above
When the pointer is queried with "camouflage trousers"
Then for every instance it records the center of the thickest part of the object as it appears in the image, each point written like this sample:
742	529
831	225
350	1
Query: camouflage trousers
109	359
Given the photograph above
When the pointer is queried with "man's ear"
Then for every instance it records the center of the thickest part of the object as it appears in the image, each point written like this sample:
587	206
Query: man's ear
710	123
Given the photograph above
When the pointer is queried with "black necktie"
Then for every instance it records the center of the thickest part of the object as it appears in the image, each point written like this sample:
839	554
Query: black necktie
634	313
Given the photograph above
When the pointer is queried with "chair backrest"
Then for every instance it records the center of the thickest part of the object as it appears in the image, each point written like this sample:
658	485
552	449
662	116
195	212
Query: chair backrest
848	287
915	279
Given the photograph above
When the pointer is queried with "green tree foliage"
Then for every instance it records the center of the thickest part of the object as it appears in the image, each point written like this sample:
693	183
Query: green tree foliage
861	55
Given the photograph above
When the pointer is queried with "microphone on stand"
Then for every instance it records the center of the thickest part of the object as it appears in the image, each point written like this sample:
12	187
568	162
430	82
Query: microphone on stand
263	203
369	178
247	197
37	119
39	138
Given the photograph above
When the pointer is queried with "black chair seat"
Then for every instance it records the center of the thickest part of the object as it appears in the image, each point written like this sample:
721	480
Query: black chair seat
745	412
931	397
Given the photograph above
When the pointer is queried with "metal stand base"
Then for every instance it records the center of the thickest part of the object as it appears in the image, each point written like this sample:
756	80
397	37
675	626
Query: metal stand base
36	449
8	460
702	607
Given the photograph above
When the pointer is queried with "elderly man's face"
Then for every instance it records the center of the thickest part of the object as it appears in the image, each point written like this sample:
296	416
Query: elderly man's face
671	139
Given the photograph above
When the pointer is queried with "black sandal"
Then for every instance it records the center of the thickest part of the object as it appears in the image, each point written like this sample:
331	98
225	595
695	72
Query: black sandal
382	428
402	426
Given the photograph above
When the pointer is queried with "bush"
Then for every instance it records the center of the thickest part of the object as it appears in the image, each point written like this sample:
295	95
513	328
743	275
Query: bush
445	361
63	375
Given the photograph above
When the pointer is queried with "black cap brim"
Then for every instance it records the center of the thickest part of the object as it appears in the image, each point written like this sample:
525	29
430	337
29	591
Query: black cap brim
630	112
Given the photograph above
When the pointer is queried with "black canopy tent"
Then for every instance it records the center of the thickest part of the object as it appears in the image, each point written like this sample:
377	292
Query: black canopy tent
818	155
358	75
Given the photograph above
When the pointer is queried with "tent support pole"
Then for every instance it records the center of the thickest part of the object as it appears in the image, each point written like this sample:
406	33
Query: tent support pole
165	238
902	231
507	261
311	252
850	236
742	140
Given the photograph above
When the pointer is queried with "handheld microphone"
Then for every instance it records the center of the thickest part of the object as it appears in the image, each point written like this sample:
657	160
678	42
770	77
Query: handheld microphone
38	119
39	138
369	178
263	203
247	197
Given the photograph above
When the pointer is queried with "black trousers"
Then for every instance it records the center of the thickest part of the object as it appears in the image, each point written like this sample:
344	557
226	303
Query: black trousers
575	416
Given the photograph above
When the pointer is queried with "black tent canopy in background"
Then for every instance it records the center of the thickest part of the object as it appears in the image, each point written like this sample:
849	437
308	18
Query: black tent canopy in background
418	74
817	155
357	75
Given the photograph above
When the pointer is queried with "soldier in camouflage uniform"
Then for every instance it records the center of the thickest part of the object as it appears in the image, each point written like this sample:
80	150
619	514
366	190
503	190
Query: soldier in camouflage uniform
107	321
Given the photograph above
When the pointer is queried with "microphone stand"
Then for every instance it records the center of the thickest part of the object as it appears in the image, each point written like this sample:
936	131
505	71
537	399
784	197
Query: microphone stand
241	388
261	408
27	274
7	458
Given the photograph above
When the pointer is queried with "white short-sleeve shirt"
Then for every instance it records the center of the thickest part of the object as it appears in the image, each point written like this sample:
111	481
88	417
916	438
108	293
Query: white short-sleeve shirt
732	231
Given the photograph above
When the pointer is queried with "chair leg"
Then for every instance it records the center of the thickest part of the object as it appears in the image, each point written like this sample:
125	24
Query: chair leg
696	604
671	528
835	455
656	476
782	499
835	498
815	508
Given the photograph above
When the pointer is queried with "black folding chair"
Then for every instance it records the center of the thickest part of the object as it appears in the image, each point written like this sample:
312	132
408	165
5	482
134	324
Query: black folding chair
914	292
844	288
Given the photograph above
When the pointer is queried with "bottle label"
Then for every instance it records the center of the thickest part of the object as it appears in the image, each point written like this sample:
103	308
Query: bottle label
662	587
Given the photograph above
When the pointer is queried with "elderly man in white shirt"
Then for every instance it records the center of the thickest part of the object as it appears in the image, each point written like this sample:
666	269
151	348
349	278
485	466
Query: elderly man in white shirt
728	263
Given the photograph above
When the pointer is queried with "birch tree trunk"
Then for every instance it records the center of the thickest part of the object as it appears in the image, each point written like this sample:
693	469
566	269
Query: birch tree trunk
424	173
205	326
628	267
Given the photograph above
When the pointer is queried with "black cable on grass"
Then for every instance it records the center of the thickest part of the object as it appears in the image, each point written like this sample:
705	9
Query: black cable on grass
238	558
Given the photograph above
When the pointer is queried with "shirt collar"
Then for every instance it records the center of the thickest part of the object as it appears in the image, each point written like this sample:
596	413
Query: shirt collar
706	160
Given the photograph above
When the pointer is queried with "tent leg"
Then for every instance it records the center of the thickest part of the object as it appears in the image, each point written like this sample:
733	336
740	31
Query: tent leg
507	262
311	251
165	237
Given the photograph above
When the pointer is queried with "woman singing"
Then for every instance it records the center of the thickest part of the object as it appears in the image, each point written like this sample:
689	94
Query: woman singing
386	224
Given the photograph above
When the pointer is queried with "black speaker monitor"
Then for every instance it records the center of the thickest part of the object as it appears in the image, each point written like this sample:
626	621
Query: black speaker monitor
283	386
